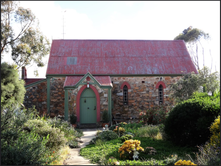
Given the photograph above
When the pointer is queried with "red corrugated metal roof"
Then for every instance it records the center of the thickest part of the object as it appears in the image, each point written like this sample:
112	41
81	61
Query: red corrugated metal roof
73	80
107	57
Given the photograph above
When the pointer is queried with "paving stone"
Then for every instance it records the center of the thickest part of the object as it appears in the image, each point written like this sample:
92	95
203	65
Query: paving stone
74	157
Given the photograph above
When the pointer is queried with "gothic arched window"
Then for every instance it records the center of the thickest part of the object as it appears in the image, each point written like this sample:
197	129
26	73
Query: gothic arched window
125	95
160	94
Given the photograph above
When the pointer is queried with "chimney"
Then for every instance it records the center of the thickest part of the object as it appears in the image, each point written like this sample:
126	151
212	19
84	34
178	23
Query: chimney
24	73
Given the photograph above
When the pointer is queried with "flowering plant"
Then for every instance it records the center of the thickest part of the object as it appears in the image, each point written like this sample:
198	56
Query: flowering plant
128	148
119	130
184	162
215	130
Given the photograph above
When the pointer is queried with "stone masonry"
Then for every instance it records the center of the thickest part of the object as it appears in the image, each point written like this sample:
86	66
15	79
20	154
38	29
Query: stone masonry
37	96
142	95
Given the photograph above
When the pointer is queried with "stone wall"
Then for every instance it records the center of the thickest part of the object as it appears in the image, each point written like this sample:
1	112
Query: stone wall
57	96
37	96
142	95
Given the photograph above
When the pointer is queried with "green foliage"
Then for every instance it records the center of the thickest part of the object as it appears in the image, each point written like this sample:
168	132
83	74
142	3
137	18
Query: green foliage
126	137
210	81
29	44
188	123
148	131
191	35
27	149
155	115
109	150
208	155
215	130
130	127
190	83
119	130
12	89
107	135
69	132
184	87
43	129
73	119
73	144
18	144
105	117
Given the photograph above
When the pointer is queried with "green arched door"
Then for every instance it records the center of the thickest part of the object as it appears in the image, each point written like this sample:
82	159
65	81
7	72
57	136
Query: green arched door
88	110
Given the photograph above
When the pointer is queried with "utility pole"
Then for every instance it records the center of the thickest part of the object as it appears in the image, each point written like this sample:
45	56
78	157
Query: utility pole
63	24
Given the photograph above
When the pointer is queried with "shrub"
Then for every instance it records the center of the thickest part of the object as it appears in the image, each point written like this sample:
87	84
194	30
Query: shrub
208	155
27	149
42	128
121	124
128	148
155	115
215	130
73	119
119	130
12	89
126	137
148	131
105	117
184	162
107	135
188	123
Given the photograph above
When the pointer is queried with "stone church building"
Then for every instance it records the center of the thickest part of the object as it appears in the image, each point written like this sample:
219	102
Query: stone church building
86	77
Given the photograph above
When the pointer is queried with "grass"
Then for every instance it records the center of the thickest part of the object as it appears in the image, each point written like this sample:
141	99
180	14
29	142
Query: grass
101	153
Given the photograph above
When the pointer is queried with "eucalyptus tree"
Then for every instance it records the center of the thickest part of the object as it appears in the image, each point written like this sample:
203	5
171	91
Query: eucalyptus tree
204	81
193	38
21	36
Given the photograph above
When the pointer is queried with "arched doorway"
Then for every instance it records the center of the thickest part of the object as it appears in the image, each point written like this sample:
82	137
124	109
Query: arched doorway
88	110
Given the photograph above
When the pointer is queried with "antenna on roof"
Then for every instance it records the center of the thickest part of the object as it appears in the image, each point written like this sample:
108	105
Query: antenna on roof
63	24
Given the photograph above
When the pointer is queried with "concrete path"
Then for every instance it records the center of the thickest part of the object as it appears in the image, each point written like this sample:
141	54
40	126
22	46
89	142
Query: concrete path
74	157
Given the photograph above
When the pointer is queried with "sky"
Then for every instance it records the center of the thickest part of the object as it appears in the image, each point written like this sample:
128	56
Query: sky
130	20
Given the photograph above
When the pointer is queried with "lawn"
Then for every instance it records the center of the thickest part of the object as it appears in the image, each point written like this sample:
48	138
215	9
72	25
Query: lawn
103	152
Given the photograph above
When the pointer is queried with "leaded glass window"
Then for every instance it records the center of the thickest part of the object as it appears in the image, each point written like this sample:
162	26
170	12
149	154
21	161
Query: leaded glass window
160	94
125	95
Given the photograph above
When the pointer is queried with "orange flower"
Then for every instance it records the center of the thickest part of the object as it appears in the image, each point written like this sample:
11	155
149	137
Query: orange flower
53	152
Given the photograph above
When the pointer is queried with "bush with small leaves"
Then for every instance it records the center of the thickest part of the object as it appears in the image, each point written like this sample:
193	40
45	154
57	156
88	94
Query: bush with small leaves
189	121
42	128
208	155
126	137
27	149
107	135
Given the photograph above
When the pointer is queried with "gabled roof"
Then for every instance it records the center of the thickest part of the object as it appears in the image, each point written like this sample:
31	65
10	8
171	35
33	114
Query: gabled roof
71	81
119	57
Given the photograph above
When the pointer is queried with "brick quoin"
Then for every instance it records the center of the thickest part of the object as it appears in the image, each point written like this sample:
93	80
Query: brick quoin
78	101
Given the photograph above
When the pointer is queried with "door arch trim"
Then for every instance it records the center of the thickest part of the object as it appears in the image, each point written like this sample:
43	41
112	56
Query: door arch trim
78	101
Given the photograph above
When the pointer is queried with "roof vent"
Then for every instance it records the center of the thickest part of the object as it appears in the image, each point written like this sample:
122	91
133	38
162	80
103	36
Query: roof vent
71	60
